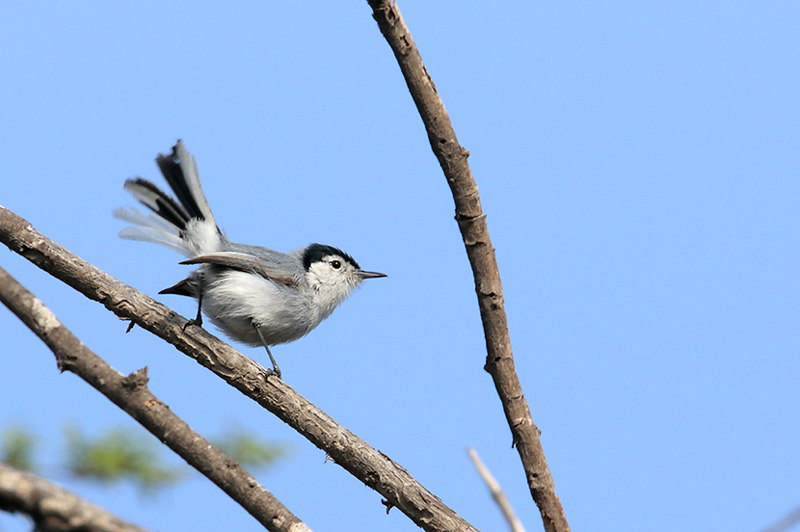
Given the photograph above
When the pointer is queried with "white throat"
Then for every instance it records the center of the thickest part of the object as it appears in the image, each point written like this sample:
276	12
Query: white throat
329	291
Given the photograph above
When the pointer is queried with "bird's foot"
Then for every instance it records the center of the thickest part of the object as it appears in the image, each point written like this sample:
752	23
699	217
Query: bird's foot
193	321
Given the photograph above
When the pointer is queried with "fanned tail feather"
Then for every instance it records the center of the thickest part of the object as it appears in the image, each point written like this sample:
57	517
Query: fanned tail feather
180	171
186	225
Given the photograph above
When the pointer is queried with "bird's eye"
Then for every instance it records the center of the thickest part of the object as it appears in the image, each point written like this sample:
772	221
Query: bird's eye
336	264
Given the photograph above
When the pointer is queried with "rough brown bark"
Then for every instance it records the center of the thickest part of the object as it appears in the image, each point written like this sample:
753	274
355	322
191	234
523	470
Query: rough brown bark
132	395
53	508
369	465
475	233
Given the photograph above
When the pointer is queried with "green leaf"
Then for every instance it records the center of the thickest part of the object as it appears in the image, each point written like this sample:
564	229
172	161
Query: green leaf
249	450
18	447
120	454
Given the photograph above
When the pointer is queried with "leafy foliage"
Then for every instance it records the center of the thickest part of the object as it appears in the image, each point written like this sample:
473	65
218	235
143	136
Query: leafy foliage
120	454
17	448
129	455
246	448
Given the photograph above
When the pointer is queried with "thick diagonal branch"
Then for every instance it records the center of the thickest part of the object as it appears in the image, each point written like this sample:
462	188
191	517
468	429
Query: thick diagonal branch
53	508
472	223
132	395
370	466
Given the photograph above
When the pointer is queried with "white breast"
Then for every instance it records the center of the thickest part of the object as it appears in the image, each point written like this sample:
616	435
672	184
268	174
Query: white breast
234	300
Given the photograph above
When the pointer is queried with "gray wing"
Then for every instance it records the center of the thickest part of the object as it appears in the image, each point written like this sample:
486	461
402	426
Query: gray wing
245	262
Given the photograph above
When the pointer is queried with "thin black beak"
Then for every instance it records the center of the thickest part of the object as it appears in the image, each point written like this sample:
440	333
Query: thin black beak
369	275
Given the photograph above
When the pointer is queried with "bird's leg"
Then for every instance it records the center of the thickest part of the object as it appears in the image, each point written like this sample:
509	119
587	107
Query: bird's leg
275	369
199	319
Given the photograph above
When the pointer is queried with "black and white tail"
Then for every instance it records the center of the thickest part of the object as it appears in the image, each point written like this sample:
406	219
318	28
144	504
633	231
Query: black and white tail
185	225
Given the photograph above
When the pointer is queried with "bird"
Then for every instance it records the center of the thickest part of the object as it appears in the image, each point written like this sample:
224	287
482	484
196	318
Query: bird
255	295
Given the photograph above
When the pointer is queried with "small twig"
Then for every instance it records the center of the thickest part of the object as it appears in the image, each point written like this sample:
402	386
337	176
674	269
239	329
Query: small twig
132	395
53	508
497	493
787	522
475	233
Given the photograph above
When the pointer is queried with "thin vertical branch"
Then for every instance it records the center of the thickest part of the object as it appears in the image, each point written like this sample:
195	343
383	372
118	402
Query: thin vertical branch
475	233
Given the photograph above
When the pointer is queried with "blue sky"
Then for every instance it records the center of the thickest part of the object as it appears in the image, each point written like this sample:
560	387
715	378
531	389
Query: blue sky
638	163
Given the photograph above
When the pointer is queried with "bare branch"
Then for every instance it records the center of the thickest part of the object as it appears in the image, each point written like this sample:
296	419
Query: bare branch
497	493
474	230
53	508
370	466
132	395
787	522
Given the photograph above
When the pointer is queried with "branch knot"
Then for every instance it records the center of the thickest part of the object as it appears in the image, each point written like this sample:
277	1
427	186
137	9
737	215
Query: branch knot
136	379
